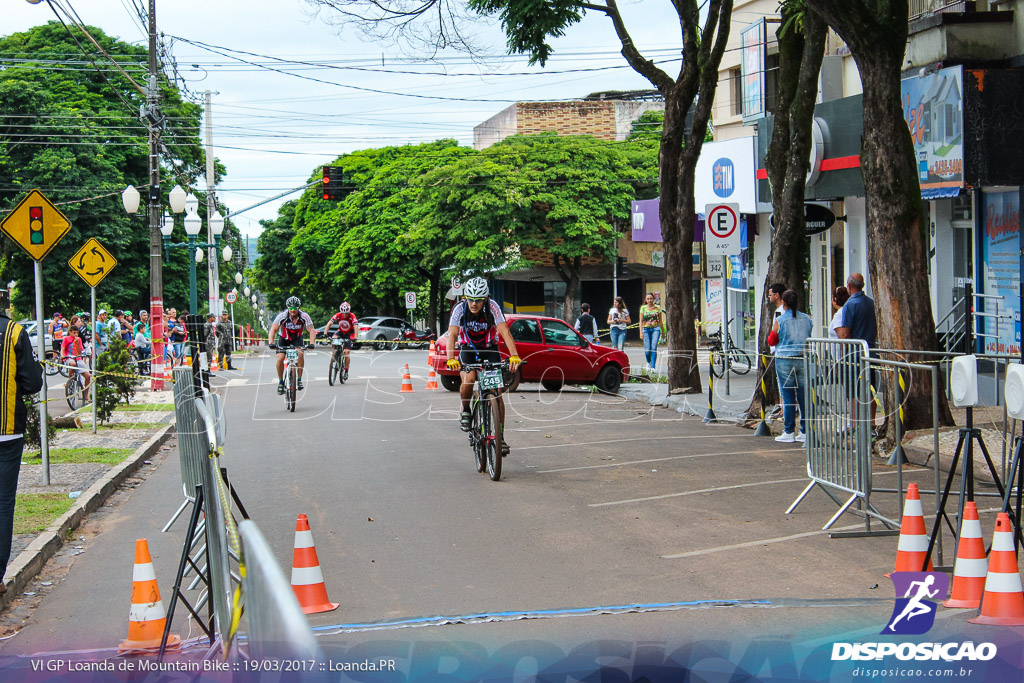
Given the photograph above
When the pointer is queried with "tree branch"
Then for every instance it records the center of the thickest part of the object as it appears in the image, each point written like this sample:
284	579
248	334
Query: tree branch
645	67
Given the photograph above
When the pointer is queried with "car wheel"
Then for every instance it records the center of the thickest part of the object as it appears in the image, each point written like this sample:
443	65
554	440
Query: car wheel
609	379
380	343
552	384
451	382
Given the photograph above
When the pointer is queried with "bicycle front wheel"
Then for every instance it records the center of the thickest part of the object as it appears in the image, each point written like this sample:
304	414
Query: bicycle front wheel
290	389
480	426
51	368
740	362
494	443
74	391
332	372
717	363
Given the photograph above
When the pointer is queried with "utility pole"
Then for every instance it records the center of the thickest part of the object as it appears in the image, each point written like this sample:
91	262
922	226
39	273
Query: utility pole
156	282
211	208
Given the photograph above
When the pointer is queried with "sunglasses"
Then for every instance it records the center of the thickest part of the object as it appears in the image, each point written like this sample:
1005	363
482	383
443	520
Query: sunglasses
475	300
292	309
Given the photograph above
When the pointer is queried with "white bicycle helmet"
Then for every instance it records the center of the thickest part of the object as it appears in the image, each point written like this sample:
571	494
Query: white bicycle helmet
476	288
293	302
344	307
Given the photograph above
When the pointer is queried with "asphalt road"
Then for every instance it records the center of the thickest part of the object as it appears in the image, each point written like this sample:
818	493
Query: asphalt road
603	502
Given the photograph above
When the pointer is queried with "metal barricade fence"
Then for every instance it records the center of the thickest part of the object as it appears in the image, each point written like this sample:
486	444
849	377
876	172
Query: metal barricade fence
277	628
838	442
191	449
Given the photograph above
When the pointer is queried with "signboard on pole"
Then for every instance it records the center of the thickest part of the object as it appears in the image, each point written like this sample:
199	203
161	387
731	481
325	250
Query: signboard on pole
92	262
35	225
410	300
231	297
722	236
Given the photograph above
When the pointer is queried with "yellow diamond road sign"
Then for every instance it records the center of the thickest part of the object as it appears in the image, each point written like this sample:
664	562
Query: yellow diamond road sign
36	225
92	262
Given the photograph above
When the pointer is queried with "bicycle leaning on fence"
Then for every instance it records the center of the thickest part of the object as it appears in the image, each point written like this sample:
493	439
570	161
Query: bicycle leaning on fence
739	360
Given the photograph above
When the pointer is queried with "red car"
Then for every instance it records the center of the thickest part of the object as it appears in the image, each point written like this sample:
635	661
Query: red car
555	355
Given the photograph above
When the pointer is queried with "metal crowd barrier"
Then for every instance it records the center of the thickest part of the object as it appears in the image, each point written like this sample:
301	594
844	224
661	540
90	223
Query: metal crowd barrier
216	524
277	626
838	442
191	449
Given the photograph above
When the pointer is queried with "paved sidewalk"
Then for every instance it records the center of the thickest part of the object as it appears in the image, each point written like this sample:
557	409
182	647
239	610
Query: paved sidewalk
89	484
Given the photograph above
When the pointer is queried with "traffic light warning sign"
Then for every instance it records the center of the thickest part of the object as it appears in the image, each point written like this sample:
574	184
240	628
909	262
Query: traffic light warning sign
35	225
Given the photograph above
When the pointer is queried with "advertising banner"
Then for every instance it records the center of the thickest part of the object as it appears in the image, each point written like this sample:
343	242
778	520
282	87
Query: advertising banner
752	47
726	173
1000	271
933	108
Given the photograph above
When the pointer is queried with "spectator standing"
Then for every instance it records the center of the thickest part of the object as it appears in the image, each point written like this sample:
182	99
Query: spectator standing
210	333
618	322
775	300
793	328
170	323
102	331
586	324
143	347
58	327
858	322
25	377
178	337
839	298
652	322
225	340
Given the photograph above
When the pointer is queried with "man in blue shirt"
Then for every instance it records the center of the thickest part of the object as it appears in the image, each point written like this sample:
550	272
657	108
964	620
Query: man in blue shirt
858	322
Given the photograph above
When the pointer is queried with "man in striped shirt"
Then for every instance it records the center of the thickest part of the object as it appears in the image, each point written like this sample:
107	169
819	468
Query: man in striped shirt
285	332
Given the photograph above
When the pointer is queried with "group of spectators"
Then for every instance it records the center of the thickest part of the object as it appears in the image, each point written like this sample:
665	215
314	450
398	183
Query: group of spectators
853	318
652	326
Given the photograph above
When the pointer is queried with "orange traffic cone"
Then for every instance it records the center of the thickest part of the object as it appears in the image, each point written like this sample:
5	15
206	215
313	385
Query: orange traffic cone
146	618
307	579
971	566
432	380
430	356
913	545
406	381
168	374
214	367
1003	602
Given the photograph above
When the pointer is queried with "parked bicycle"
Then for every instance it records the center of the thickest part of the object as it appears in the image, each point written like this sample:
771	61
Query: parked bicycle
739	360
485	431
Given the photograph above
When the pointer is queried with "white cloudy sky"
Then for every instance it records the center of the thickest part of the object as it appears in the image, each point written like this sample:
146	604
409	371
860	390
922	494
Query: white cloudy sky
272	129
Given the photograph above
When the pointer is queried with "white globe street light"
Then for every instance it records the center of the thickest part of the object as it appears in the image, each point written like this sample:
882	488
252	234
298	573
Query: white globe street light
176	198
217	223
227	253
191	203
238	278
199	255
193	223
167	226
247	291
253	299
130	199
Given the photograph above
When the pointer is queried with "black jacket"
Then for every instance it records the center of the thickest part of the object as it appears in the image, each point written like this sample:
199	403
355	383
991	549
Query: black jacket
20	375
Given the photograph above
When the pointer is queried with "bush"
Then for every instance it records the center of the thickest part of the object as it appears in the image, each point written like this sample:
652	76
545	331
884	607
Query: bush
114	379
32	423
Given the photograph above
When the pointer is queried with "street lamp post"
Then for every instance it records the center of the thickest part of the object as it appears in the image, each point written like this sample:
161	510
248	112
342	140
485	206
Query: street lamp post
193	224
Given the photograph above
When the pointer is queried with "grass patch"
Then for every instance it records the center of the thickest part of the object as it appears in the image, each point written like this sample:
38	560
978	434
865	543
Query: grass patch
145	407
76	456
33	512
134	425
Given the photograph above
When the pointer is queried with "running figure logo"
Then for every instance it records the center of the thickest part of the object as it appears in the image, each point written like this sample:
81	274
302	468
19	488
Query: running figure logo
914	612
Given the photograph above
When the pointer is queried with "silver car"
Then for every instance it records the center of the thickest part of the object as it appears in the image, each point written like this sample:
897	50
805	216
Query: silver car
379	330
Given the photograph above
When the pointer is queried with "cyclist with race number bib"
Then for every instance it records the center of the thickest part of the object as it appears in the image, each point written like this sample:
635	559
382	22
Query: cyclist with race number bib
291	323
476	323
346	321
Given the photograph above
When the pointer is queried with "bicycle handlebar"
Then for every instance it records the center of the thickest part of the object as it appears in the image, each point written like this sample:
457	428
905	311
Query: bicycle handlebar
488	365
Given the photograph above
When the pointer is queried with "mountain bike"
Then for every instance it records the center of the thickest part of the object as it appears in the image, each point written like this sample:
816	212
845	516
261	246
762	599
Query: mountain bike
291	374
74	388
486	431
337	372
739	360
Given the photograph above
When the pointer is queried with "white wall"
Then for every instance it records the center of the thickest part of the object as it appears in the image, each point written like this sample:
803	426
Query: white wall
941	243
855	241
762	248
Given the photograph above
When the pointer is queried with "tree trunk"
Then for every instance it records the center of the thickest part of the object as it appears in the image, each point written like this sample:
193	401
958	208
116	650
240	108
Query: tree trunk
787	162
569	271
435	288
876	33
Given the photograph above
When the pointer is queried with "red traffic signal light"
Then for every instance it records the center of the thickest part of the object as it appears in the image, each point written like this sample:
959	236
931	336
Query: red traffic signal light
332	183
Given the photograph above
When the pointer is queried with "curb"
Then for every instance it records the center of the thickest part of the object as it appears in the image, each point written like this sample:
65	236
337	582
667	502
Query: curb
31	560
691	404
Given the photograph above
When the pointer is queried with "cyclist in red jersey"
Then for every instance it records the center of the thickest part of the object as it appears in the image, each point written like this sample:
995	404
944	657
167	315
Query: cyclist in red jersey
72	352
288	327
346	321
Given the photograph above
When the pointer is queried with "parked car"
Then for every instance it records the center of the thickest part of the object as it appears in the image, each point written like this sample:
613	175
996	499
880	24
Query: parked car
30	327
379	330
555	355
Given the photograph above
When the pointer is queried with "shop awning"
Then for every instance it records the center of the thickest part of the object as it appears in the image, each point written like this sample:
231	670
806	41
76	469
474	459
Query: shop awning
939	192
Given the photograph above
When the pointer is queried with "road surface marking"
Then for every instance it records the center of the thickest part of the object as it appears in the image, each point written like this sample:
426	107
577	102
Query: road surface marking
764	541
691	493
671	457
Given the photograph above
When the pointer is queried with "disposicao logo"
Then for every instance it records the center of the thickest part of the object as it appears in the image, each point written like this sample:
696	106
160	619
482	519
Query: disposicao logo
917	597
723	179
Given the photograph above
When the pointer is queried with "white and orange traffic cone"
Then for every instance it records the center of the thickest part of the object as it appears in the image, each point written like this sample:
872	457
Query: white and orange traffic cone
307	579
406	381
214	366
913	544
430	356
971	566
1003	601
168	374
146	618
432	380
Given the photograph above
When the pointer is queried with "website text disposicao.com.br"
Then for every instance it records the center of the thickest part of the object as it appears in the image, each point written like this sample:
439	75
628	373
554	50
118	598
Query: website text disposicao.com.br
912	673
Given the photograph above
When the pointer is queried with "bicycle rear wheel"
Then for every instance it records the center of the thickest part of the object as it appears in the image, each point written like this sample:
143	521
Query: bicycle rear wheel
717	363
494	443
290	389
478	427
51	368
740	362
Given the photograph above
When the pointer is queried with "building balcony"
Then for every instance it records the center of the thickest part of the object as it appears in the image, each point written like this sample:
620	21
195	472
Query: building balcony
941	31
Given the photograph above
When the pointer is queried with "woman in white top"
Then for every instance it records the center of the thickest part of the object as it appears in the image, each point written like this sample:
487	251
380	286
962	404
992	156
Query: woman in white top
618	320
839	298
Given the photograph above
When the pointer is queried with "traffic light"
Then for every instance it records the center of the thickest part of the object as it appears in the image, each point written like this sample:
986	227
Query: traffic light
332	183
35	225
620	266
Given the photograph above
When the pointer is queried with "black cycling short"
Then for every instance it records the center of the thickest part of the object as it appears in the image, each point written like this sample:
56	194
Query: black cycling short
283	344
471	355
347	345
